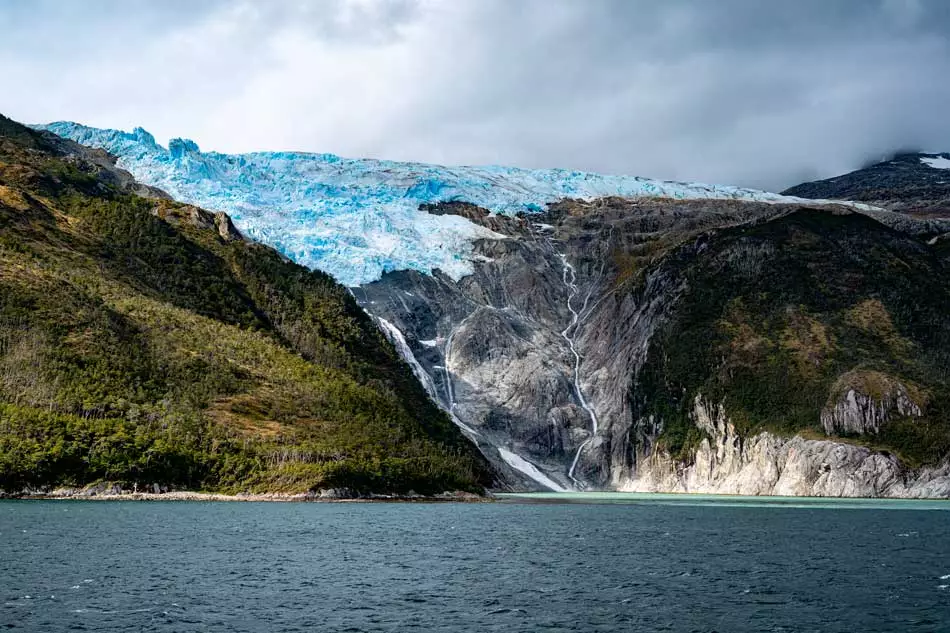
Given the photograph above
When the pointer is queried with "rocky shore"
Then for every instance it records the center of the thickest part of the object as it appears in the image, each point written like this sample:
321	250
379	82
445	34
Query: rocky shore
114	492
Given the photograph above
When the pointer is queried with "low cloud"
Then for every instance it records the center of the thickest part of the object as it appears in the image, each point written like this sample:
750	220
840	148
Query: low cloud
732	91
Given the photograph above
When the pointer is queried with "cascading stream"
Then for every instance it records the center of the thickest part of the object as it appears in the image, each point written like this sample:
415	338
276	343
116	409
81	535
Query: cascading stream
569	277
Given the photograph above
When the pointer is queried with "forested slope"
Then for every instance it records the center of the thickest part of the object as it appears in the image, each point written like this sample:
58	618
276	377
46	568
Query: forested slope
145	341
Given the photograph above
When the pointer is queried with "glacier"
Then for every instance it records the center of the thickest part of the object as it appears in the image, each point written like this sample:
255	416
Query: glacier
357	219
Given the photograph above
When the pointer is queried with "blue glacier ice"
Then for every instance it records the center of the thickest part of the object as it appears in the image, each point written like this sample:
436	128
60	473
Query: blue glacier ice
359	218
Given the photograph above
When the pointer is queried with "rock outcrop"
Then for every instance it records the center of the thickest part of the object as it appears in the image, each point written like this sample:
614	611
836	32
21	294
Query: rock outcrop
863	402
766	464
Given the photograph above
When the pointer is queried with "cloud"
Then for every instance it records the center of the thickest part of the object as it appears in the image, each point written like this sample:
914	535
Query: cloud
732	91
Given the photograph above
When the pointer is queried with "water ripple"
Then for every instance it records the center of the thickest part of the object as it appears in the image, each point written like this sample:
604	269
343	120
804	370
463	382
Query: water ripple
163	567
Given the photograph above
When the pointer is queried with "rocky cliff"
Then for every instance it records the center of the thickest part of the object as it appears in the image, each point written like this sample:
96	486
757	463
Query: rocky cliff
576	351
726	462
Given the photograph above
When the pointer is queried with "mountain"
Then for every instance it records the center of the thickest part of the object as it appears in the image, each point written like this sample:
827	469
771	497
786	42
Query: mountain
730	347
608	332
917	184
146	342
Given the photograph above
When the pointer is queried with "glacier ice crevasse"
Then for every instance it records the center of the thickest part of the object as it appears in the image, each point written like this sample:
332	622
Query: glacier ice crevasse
357	219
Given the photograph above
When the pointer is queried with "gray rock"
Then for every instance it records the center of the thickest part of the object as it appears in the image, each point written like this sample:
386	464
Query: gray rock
334	493
200	218
226	228
766	464
492	345
491	350
855	410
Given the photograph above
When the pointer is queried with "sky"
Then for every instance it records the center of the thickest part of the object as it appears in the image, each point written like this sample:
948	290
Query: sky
755	93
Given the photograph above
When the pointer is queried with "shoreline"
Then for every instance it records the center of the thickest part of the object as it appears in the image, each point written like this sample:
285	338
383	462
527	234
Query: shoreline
678	497
343	496
273	497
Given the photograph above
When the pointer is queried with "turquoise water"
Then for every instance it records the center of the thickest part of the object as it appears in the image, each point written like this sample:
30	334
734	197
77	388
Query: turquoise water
695	500
594	563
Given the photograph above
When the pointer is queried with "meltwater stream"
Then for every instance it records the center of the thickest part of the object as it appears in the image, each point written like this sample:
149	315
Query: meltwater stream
622	563
569	277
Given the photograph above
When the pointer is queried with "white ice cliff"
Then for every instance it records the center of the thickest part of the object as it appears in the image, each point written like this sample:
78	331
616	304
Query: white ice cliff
359	218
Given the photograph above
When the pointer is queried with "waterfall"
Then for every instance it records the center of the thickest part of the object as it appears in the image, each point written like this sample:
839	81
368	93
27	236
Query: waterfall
569	277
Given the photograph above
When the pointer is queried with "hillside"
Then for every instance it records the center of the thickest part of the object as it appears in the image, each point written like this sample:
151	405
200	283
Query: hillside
817	323
145	341
917	184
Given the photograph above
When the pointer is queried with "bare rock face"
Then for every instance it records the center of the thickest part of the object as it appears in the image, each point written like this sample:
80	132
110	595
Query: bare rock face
766	464
499	346
199	217
863	402
538	355
492	349
226	228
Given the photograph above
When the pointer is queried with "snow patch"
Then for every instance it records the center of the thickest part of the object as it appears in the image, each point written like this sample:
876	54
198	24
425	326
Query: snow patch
396	337
527	468
938	162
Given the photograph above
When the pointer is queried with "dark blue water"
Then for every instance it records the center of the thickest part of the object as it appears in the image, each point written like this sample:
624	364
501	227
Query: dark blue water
122	566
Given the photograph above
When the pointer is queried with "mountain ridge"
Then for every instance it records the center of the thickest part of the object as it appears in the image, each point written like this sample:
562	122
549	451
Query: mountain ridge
914	183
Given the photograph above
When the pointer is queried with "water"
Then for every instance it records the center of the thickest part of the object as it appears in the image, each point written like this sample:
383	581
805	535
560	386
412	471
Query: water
572	288
647	564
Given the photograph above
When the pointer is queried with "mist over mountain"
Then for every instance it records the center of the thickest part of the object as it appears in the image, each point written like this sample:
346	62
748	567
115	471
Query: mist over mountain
762	95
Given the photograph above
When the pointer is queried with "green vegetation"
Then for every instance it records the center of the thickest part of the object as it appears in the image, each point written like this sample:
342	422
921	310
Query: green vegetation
140	344
776	315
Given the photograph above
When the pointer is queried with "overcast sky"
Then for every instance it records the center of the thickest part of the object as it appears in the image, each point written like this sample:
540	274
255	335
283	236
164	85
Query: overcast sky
750	92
